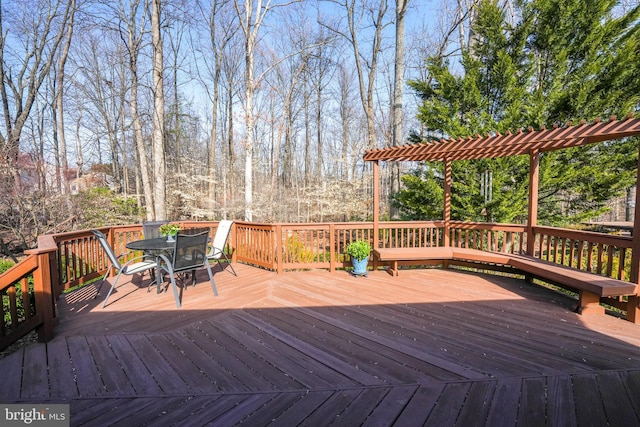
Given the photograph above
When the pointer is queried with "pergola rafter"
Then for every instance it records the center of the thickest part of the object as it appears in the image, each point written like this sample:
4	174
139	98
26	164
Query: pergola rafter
510	144
522	142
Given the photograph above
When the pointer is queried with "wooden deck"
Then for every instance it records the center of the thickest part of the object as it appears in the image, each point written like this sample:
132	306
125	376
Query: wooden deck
431	347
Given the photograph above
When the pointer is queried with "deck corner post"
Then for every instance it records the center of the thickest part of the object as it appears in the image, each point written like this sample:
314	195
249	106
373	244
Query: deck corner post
332	247
279	250
447	203
635	244
233	238
44	296
532	215
376	204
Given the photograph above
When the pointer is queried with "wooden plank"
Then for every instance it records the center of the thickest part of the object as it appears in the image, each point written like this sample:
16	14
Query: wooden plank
390	407
61	376
418	365
447	408
616	399
239	411
503	409
299	366
476	406
420	405
35	380
271	409
168	379
319	354
299	411
374	358
133	367
147	411
114	378
181	364
224	366
361	406
84	411
11	367
407	254
195	410
631	380
121	411
329	411
589	405
533	402
264	374
560	404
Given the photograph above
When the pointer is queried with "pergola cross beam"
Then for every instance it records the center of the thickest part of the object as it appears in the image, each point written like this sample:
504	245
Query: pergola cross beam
509	144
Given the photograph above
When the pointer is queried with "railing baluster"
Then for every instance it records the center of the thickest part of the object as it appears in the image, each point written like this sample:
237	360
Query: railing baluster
622	261
610	261
599	259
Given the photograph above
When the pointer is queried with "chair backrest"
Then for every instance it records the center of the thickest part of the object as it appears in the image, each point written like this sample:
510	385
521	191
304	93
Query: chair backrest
102	239
222	234
190	251
195	230
151	229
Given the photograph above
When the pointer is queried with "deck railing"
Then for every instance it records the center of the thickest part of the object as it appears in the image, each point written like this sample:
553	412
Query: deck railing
63	261
505	238
604	254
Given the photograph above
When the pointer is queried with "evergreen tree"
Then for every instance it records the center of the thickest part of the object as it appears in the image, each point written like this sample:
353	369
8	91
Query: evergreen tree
565	60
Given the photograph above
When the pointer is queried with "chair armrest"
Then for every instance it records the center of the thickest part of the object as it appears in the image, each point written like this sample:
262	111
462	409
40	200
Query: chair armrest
132	260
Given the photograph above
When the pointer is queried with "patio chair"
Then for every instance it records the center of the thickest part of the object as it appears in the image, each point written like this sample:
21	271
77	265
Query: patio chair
151	229
131	267
216	253
190	253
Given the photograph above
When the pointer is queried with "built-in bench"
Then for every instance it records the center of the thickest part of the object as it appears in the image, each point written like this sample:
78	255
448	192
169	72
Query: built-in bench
590	287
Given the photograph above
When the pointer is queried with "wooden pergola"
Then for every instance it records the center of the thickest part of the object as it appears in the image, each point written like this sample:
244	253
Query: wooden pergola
531	142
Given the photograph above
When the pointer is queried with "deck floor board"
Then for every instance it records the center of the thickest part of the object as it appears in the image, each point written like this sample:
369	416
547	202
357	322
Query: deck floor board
429	347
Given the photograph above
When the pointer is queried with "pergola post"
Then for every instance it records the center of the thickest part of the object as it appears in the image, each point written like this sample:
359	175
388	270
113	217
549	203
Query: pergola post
532	216
376	204
447	202
633	310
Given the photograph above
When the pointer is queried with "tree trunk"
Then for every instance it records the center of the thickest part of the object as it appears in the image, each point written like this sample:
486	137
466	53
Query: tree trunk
59	97
397	110
159	198
133	47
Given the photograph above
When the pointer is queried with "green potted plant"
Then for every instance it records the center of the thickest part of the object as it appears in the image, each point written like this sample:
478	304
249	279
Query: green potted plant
169	230
359	251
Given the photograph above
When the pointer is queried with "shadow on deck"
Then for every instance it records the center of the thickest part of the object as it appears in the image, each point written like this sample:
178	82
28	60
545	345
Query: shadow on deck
435	347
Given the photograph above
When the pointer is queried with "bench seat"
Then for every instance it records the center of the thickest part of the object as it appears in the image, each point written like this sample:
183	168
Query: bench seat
393	256
590	287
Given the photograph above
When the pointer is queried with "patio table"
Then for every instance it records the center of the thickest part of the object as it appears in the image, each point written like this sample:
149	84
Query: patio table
155	246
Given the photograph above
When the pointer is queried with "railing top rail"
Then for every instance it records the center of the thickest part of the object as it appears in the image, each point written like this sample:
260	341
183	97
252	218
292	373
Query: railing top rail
592	236
488	226
18	271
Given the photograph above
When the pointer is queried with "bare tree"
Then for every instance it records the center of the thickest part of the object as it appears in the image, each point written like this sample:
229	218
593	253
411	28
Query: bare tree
251	16
356	11
159	197
60	74
41	32
221	30
134	20
398	85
